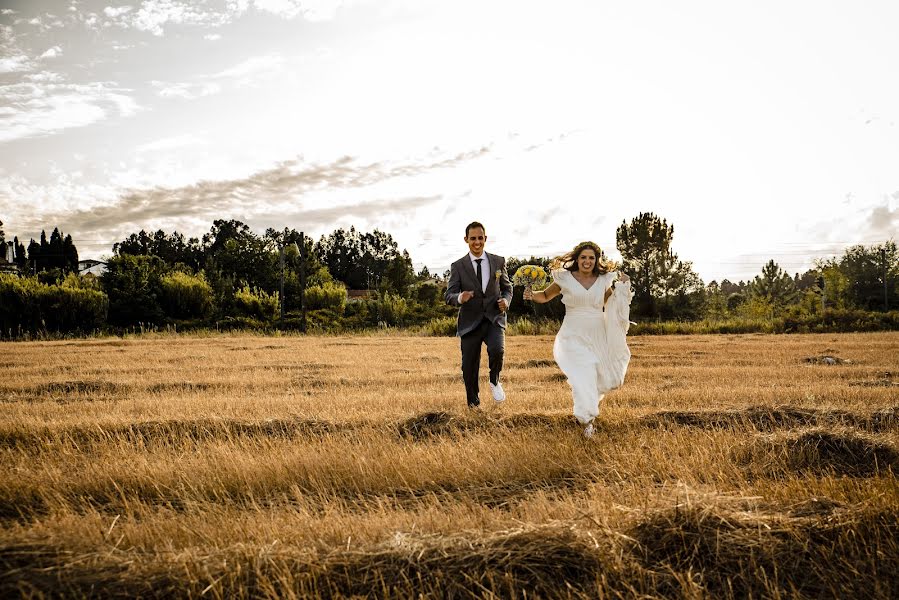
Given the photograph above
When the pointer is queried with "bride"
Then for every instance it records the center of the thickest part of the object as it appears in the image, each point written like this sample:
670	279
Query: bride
590	347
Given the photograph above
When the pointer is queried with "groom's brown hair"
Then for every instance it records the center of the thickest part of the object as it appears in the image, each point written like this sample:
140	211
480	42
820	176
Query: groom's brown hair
474	225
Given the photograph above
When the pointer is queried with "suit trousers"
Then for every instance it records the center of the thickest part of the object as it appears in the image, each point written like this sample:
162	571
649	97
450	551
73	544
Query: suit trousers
495	337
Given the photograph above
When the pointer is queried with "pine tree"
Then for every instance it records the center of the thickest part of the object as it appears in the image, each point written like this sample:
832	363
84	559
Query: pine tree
775	286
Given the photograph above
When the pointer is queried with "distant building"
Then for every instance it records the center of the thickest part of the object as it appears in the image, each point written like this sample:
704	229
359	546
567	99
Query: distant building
91	267
8	260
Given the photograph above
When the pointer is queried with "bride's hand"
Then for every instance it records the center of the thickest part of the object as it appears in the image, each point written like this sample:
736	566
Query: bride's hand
528	294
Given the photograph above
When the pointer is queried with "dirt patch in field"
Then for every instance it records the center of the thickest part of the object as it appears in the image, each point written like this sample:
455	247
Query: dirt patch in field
818	452
826	359
435	425
183	387
769	418
532	364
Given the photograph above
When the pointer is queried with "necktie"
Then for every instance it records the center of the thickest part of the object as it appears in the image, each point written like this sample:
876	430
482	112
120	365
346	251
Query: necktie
480	274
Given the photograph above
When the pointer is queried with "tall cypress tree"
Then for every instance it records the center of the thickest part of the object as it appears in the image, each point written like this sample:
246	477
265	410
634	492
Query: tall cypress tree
21	256
70	254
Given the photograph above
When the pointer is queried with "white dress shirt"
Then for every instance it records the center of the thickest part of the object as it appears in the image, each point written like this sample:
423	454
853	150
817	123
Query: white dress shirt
485	271
485	268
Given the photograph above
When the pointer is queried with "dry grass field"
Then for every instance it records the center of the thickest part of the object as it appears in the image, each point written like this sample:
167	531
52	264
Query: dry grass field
244	466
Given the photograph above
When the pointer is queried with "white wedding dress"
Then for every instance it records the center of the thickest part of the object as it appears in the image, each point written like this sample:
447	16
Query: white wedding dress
591	346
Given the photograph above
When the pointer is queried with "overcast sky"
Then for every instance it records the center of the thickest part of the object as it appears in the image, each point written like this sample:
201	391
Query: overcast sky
759	129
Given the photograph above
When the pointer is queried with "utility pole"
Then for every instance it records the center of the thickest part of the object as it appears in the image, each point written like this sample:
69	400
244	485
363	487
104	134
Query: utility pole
822	283
281	297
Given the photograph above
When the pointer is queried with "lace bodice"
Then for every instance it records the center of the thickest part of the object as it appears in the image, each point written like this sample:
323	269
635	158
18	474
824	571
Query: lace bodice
574	295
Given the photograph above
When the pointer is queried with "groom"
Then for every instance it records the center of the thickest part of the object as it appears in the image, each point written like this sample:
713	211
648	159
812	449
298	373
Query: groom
479	285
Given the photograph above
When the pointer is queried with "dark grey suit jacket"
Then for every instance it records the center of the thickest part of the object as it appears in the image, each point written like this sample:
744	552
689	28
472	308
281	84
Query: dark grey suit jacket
463	278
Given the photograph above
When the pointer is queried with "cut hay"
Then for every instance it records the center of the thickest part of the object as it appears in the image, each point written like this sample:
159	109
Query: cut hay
174	432
543	562
739	554
770	418
819	452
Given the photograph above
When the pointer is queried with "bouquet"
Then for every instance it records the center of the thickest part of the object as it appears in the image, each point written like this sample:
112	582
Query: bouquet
530	276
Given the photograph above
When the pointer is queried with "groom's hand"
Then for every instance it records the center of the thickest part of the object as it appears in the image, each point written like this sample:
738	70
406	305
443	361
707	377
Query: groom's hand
502	304
465	297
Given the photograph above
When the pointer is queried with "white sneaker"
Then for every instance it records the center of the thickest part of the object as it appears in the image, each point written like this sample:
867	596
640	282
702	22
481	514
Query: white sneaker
588	432
498	393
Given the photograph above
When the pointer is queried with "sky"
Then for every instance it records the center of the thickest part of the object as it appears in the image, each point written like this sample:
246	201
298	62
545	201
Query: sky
759	130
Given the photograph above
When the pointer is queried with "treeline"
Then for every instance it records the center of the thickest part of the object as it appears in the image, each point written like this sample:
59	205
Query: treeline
232	277
228	278
51	257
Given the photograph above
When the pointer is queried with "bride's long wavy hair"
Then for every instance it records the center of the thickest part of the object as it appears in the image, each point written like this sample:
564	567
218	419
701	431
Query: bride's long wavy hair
568	260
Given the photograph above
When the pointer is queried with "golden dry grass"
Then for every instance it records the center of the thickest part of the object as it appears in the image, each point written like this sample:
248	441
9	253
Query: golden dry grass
243	466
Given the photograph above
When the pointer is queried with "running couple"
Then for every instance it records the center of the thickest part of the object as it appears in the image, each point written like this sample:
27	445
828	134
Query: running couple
591	346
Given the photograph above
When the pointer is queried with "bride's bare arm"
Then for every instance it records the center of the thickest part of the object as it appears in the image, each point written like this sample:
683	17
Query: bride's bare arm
623	278
545	295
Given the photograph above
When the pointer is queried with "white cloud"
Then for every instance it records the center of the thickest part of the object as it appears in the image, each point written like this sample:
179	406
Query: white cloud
251	69
15	64
44	77
154	15
52	52
187	91
283	8
212	37
170	143
113	12
40	109
243	74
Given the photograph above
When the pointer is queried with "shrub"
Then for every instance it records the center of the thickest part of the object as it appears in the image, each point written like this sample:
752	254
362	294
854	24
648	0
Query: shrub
528	326
256	303
30	306
231	322
391	309
328	295
440	326
186	296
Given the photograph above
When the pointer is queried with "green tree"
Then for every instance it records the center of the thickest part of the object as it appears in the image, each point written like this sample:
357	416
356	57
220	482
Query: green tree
172	248
316	273
133	284
716	302
663	285
21	254
366	260
775	287
235	258
2	236
865	267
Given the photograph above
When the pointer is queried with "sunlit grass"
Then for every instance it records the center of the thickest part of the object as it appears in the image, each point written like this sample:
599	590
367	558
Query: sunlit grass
244	466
